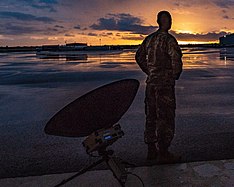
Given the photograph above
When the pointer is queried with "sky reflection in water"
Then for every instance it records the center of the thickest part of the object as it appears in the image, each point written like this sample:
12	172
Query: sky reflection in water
14	66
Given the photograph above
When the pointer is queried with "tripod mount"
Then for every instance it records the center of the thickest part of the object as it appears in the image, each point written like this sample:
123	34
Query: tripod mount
92	116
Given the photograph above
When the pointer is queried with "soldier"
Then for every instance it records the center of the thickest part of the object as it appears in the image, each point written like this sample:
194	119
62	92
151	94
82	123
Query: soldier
159	56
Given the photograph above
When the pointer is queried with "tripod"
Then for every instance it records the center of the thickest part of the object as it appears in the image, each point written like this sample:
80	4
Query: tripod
115	164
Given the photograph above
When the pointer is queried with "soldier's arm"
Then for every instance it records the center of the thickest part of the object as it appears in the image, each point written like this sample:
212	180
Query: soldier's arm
175	53
141	57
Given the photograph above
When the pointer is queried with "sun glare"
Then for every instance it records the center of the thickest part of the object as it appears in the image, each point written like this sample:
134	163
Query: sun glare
185	32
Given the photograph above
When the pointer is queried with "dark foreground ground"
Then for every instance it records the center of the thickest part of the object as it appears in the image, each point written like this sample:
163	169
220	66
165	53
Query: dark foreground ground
204	122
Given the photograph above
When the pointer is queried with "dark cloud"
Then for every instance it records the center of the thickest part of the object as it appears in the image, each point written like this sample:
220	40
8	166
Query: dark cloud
210	36
42	4
123	22
19	29
105	24
219	3
224	3
49	1
25	17
59	26
51	9
69	35
108	34
54	30
77	27
126	18
140	37
224	11
92	34
226	17
10	29
183	3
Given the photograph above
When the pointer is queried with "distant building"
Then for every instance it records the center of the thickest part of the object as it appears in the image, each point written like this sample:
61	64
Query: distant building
227	40
98	48
49	48
76	45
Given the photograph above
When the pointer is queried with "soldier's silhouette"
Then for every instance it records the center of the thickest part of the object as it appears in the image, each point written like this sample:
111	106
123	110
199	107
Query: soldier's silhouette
159	56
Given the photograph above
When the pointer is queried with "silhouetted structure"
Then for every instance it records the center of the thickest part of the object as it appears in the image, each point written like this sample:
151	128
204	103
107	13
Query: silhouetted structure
227	40
76	45
50	47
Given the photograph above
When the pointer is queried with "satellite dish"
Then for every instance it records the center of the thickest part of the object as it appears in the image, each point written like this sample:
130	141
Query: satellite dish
99	108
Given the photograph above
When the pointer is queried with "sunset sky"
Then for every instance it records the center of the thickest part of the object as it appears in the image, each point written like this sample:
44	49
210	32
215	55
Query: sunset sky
37	22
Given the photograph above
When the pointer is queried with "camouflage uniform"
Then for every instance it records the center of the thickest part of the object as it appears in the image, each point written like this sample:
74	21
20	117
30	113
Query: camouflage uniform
159	56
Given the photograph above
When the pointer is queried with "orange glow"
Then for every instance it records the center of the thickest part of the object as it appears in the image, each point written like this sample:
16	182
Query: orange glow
113	40
79	21
185	31
196	42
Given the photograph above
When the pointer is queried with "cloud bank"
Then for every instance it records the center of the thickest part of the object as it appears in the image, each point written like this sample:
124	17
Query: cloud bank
134	25
123	22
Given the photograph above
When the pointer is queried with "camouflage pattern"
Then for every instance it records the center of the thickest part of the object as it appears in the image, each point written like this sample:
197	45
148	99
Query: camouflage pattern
159	56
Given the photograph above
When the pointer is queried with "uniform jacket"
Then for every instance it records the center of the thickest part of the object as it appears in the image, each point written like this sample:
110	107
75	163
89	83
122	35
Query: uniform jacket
159	56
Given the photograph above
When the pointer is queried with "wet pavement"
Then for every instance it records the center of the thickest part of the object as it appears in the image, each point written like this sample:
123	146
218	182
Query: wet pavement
32	91
211	173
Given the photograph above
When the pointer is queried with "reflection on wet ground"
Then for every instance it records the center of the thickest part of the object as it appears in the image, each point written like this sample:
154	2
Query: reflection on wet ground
66	62
192	58
227	54
32	66
67	57
207	58
33	89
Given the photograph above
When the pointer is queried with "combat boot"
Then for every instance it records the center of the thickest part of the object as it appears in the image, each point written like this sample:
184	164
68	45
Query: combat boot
166	157
152	151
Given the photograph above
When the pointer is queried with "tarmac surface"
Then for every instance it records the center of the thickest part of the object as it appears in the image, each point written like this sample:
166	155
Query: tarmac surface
204	131
204	118
211	173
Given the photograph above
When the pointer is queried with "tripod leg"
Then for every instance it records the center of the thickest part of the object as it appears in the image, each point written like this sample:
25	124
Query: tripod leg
118	170
80	172
120	182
